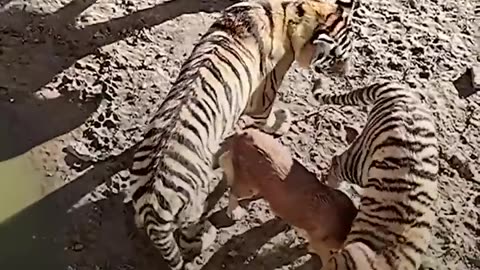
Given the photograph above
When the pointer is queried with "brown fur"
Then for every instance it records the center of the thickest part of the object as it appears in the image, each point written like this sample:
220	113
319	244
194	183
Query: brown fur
255	164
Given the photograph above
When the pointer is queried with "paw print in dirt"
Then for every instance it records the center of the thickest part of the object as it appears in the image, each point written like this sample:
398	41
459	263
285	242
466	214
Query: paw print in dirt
99	130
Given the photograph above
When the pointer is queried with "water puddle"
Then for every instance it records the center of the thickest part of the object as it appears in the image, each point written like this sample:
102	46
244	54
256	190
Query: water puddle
21	184
30	229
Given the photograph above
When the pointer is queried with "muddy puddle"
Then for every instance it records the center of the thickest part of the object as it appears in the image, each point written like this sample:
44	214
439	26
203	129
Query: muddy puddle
27	227
21	184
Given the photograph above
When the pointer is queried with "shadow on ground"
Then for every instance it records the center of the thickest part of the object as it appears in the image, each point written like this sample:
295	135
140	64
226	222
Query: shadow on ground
104	235
38	235
36	47
247	245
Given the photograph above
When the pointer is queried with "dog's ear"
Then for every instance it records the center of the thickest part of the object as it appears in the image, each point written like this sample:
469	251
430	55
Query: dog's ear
226	145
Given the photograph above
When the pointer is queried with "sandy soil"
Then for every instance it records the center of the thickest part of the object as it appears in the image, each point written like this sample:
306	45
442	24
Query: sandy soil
79	79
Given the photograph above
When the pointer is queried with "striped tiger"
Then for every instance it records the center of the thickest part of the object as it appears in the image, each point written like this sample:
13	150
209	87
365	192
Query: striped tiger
395	161
234	70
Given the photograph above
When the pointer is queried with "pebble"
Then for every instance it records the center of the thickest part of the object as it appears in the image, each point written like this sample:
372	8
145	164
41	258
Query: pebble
232	253
78	247
465	83
463	167
476	201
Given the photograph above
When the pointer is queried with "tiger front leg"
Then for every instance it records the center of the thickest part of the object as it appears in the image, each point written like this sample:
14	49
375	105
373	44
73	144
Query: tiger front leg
277	123
234	210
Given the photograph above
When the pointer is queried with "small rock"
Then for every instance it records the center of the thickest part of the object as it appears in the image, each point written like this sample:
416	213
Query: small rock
232	253
91	67
456	161
79	150
396	38
47	94
78	247
465	83
80	64
476	201
417	50
462	166
351	133
424	74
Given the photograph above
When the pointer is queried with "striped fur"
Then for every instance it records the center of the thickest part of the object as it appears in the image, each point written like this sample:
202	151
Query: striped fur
395	161
328	52
235	69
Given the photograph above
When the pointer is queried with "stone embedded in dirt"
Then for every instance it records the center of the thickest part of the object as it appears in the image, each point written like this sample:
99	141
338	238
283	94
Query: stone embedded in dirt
232	253
461	165
465	83
351	133
79	150
47	94
476	201
78	247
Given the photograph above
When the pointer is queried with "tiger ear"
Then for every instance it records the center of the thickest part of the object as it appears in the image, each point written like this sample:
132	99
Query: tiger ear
347	7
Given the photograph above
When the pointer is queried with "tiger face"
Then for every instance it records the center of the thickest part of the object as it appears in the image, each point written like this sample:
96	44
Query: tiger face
332	44
329	46
331	56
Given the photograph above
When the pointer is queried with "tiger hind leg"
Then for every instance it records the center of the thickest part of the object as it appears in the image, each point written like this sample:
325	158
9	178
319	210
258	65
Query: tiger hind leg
162	237
196	238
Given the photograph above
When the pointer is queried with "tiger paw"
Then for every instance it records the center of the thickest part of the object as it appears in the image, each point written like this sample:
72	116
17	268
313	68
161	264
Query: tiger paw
244	122
278	122
193	265
208	238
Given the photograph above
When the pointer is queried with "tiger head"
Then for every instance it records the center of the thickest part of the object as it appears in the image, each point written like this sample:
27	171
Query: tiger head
324	39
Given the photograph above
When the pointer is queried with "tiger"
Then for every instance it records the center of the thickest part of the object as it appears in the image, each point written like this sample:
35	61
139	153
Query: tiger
395	162
234	70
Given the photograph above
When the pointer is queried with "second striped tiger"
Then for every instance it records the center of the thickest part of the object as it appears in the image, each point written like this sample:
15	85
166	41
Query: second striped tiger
395	161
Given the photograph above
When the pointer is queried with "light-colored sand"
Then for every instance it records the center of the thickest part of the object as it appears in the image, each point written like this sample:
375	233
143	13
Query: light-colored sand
94	71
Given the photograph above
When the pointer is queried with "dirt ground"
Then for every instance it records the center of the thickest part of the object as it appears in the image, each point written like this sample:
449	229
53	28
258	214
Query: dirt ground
79	79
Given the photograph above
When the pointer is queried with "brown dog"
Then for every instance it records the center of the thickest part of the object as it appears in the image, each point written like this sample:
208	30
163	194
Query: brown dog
257	165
